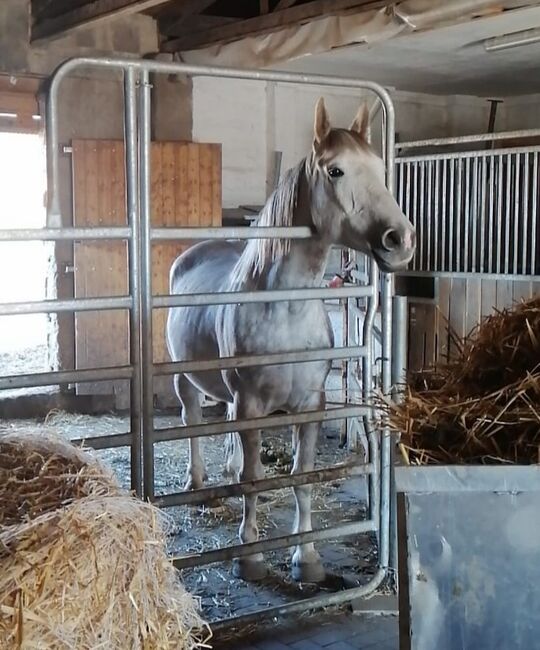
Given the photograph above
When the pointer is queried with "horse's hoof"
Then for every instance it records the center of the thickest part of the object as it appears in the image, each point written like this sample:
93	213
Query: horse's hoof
195	482
250	570
308	572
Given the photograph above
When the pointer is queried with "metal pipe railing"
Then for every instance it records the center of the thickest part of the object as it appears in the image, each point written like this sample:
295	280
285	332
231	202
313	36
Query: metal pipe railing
274	543
203	495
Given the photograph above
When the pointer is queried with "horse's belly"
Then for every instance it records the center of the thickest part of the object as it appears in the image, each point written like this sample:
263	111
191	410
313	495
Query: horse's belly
191	337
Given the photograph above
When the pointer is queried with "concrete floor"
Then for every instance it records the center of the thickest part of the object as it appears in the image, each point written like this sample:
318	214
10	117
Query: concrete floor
321	632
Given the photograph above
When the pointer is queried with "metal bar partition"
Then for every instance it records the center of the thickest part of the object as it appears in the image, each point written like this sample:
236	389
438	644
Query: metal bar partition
140	303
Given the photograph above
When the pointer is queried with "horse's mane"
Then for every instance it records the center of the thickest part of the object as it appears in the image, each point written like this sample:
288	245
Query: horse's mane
278	211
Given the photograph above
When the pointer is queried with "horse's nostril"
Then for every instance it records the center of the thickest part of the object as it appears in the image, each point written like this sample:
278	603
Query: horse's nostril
391	240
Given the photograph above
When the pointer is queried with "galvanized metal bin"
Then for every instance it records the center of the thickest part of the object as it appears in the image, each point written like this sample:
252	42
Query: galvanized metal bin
469	557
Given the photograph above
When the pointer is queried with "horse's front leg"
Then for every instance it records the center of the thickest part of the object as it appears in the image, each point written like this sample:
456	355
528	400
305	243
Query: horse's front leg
250	567
191	415
306	561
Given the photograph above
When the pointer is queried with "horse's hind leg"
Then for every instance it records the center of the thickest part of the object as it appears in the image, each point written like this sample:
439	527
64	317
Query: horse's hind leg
191	414
306	561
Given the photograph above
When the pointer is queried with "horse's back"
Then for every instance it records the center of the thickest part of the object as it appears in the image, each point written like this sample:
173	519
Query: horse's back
205	267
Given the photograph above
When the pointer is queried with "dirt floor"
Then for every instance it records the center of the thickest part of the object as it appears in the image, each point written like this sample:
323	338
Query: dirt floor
349	561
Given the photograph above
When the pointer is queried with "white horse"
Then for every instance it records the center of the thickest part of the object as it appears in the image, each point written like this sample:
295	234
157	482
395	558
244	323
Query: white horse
339	192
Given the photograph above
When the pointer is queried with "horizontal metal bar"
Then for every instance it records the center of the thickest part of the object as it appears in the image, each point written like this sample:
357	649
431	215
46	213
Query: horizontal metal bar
255	360
462	139
463	155
238	232
111	441
56	306
267	422
164	67
474	275
275	295
58	234
274	543
262	485
33	380
303	605
157	234
184	300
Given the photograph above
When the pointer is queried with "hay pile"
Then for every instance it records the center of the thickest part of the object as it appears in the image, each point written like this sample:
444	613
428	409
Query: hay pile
82	564
484	407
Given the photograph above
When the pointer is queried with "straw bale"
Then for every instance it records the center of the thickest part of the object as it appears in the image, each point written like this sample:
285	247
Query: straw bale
483	407
82	563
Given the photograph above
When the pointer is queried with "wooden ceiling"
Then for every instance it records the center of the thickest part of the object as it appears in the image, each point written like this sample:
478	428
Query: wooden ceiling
189	24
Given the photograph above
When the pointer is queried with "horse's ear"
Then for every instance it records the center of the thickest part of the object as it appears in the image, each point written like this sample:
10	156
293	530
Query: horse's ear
322	122
360	124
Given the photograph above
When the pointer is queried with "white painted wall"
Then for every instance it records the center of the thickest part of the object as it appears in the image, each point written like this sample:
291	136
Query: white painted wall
254	119
233	113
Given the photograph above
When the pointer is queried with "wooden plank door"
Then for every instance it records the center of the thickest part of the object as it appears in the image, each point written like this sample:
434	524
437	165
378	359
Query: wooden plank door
185	190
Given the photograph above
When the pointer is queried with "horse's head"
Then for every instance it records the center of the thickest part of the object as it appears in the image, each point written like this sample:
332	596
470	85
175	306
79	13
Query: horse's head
351	204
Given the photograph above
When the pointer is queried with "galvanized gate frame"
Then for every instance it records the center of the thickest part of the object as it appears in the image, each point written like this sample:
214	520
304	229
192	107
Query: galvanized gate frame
140	302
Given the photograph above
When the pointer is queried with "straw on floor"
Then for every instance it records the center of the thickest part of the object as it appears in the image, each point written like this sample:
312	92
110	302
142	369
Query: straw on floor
82	563
484	406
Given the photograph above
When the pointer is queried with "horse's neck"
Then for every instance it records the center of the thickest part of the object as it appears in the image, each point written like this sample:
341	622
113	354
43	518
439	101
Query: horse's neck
303	266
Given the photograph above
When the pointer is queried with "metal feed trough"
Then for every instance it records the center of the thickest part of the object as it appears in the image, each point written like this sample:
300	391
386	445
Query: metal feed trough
140	303
469	557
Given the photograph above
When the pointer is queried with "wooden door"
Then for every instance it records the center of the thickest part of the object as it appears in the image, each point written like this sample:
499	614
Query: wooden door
186	191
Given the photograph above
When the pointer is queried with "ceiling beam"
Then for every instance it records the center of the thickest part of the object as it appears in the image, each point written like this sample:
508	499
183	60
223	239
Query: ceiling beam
284	4
168	25
89	14
267	23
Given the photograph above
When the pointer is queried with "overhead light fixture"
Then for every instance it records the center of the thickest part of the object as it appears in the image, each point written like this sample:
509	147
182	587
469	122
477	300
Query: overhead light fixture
516	39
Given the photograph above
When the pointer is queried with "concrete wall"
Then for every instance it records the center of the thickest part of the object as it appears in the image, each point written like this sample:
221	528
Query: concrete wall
254	119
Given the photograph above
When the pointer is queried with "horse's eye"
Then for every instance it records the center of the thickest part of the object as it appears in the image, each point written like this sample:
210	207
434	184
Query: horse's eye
335	172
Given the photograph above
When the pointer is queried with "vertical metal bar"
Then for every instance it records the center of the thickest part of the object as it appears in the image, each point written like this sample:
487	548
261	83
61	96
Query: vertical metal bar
508	212
443	219
525	238
146	347
491	212
466	216
400	336
474	217
534	210
414	212
436	210
54	219
421	223
451	216
500	224
458	214
429	215
388	497
483	215
132	199
517	193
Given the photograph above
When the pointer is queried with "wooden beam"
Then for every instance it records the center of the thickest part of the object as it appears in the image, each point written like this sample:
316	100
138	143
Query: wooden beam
267	23
193	24
264	7
187	9
284	4
89	14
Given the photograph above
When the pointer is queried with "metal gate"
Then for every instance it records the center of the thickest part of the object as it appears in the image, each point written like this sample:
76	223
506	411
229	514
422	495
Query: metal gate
374	289
476	212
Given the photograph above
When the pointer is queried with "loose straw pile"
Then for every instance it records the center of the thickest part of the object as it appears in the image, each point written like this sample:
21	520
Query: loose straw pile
83	564
484	407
